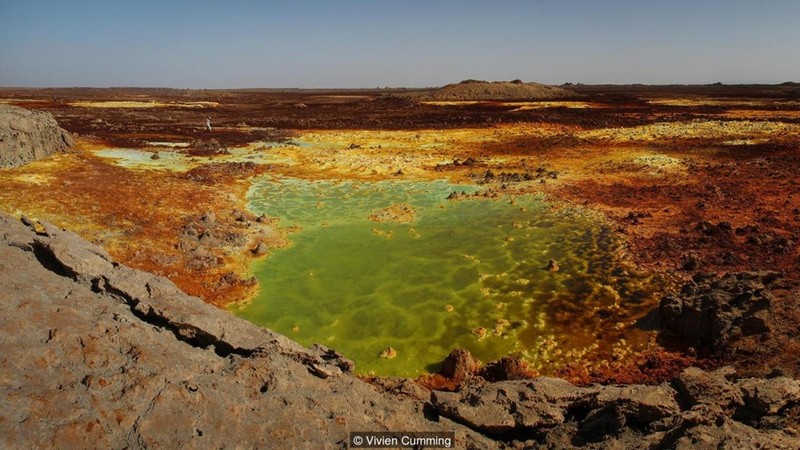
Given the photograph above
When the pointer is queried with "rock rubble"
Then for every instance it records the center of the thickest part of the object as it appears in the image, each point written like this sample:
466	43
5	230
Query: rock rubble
698	409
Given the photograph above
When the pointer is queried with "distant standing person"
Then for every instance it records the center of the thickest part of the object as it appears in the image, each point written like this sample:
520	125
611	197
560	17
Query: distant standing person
208	123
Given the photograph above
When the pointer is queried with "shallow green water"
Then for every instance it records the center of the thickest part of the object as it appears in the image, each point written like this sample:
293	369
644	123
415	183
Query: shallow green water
360	286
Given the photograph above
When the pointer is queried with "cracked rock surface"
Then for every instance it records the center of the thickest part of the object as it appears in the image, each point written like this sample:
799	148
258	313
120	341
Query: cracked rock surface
97	355
27	135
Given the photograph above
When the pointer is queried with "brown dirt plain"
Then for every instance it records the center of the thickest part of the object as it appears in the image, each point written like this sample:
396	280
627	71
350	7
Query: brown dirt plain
696	178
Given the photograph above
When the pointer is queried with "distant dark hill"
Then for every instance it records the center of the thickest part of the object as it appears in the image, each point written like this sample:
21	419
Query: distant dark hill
499	90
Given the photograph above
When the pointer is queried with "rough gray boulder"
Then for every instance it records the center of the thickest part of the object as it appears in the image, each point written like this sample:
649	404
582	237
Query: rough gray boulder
510	406
27	135
696	386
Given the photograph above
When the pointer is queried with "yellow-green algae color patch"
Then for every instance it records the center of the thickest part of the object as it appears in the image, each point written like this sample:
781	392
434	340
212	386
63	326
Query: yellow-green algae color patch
259	152
468	273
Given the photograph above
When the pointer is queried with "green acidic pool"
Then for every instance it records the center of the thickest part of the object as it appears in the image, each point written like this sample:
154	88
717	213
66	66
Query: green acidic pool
463	273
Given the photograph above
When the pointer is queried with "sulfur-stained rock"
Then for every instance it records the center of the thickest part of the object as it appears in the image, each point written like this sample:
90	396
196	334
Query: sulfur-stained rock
459	365
261	249
388	353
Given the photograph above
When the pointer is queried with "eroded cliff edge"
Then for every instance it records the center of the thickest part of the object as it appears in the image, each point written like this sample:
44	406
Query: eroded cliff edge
95	354
27	135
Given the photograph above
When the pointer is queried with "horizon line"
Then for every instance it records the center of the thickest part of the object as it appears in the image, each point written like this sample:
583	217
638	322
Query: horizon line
383	88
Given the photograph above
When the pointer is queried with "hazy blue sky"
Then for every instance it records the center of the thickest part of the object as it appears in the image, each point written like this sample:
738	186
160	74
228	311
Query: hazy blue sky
332	43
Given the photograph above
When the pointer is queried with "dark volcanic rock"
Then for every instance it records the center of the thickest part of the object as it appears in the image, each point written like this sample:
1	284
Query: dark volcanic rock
748	320
712	312
26	136
210	147
508	368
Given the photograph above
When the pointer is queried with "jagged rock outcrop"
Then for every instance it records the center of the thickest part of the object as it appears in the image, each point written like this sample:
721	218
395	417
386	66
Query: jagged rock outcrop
748	319
95	354
27	135
698	409
711	312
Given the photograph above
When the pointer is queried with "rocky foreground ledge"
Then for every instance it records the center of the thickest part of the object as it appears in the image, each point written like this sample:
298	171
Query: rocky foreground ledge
95	354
